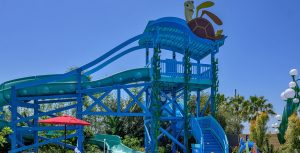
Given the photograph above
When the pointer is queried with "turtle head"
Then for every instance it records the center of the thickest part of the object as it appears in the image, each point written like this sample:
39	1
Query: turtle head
189	9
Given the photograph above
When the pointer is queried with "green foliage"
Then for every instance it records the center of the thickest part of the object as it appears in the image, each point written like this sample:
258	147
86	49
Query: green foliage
292	135
268	148
186	96
89	148
234	112
161	150
133	142
4	132
156	105
193	101
256	105
235	149
221	106
215	65
258	129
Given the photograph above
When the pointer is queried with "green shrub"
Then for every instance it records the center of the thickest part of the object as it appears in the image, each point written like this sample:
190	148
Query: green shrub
133	142
5	131
292	135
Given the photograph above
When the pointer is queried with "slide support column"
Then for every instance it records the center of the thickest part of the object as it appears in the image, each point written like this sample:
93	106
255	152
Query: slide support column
79	131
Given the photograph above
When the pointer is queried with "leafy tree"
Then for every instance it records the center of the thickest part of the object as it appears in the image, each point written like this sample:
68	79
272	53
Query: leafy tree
258	105
221	109
292	135
258	131
236	114
193	102
268	148
134	126
4	132
133	142
113	124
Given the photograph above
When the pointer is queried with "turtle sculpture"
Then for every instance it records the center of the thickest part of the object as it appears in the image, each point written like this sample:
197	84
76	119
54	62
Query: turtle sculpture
199	25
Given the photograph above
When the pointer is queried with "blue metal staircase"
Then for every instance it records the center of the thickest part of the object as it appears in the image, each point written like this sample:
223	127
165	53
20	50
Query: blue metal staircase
209	135
211	143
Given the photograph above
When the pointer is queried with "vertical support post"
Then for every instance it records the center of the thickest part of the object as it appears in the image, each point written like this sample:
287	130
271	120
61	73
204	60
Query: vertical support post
2	113
14	111
155	100
35	124
119	100
79	131
146	140
198	107
213	92
187	77
174	147
174	55
147	56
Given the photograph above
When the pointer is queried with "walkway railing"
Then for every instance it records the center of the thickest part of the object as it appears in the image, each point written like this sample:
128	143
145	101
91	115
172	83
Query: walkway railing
173	68
197	132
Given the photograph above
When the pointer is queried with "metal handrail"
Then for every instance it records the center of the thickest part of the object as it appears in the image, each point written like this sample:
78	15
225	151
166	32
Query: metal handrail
173	68
194	123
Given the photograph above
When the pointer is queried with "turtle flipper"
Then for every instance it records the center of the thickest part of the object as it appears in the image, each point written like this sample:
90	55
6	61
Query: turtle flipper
219	34
216	19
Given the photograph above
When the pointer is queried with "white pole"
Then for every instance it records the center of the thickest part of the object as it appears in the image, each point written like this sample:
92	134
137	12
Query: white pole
104	146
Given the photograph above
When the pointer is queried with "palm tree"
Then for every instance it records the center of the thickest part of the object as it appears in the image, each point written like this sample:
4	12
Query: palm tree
237	107
257	105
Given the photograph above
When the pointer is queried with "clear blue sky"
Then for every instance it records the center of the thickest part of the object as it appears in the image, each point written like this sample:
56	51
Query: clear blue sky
43	37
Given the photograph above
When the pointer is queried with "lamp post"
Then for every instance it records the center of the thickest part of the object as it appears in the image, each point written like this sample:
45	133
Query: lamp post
291	97
293	92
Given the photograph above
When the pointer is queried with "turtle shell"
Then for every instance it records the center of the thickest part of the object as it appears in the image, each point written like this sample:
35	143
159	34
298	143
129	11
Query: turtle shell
202	28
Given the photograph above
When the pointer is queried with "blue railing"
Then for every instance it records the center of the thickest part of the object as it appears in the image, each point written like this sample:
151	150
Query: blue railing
197	132
173	68
211	123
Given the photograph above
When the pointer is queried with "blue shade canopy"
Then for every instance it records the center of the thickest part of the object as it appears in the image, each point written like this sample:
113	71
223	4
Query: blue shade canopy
174	34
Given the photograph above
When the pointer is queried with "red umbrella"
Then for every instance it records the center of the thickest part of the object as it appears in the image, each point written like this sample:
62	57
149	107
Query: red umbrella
65	120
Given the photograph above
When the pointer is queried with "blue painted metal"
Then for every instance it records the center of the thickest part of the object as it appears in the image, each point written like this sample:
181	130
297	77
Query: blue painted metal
213	90
168	34
113	59
214	137
173	68
173	35
197	133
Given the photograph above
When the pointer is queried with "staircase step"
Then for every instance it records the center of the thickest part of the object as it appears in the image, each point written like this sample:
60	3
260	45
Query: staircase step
211	144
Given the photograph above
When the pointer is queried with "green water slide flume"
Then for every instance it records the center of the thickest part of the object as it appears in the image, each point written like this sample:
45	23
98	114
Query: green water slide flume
68	86
112	143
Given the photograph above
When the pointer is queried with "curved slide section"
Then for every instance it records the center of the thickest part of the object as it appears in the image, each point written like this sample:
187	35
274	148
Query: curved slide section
68	86
112	143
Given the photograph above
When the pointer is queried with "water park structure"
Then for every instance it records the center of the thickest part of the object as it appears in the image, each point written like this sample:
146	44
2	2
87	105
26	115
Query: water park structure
165	86
159	77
